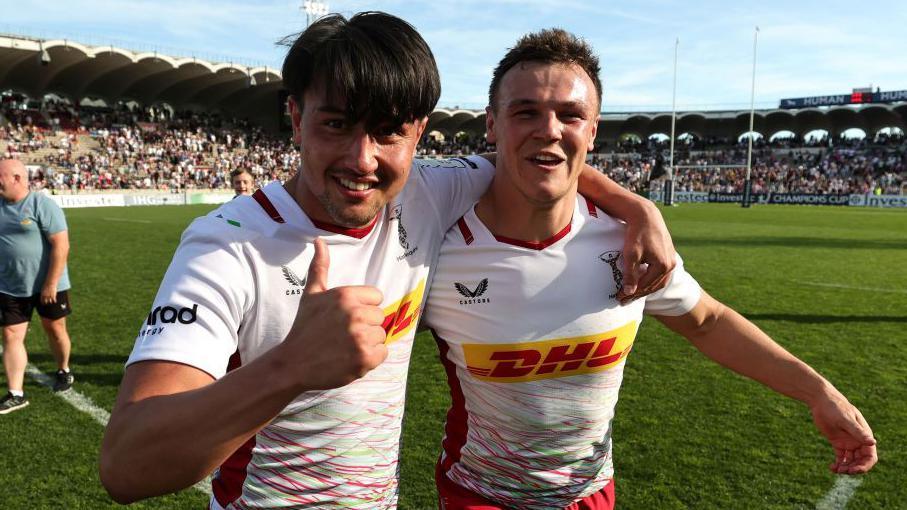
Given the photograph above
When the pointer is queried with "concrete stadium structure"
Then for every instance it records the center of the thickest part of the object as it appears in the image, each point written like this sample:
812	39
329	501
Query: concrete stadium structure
37	67
68	69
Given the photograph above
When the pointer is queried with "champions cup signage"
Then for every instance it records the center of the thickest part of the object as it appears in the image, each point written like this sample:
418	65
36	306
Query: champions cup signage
854	200
808	199
783	198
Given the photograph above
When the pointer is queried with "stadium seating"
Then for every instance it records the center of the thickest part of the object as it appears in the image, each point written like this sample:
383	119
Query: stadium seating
99	148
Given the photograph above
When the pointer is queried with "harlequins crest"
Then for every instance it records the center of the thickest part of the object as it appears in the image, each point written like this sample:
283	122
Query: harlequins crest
611	257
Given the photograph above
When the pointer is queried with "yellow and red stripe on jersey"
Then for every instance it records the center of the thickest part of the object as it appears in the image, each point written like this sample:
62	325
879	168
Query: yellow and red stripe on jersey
549	359
402	315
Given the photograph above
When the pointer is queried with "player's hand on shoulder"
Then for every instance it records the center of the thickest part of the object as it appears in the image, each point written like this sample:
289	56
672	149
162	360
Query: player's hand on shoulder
847	431
337	336
649	255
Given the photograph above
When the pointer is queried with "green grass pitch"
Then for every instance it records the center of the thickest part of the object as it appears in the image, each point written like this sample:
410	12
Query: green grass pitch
830	284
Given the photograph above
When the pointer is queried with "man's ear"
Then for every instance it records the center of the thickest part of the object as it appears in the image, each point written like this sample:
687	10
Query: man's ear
295	119
421	124
598	119
490	137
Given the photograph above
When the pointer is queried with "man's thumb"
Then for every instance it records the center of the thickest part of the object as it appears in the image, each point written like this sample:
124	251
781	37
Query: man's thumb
630	278
317	279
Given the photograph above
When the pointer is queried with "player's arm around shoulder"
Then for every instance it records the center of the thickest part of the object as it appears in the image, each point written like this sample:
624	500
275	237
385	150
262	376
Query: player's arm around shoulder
453	185
647	240
731	340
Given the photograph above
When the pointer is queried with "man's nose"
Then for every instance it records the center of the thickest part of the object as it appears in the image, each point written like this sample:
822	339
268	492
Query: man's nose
362	153
549	127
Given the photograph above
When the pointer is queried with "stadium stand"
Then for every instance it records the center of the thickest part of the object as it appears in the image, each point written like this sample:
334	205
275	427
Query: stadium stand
130	147
102	117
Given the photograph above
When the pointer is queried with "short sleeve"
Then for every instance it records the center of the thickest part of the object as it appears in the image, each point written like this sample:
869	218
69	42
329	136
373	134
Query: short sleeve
51	219
679	296
199	306
455	184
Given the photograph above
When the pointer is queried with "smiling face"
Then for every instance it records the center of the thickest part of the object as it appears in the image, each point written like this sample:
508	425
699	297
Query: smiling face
543	124
348	172
243	183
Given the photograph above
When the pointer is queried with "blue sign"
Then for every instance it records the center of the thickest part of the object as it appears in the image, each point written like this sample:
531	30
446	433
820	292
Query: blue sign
842	99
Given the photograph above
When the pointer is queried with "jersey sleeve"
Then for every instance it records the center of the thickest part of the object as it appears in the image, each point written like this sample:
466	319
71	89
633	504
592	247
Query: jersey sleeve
679	296
50	217
199	307
455	184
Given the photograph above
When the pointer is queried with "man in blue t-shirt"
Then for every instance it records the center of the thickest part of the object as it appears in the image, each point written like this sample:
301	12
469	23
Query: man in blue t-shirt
34	244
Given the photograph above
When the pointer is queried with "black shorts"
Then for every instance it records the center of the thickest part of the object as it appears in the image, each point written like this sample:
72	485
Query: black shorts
16	310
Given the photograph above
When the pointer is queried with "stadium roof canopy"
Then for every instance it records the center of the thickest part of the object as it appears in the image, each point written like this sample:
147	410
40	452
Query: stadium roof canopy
730	124
37	67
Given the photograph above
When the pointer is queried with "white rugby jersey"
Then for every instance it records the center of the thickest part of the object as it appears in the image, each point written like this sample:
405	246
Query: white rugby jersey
232	292
534	344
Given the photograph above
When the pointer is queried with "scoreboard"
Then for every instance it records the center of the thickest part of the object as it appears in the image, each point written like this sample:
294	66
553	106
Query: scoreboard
856	97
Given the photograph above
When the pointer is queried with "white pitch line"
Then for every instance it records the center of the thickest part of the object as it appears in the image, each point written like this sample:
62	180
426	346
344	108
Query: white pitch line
853	287
75	399
840	494
128	220
87	406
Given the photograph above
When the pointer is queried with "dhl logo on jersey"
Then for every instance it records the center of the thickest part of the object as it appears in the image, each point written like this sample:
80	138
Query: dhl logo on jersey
403	315
548	359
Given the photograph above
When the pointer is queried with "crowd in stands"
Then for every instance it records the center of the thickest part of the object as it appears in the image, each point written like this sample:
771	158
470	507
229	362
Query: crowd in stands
97	148
879	168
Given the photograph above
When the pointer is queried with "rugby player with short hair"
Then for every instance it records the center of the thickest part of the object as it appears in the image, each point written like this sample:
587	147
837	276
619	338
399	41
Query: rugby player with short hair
524	308
278	344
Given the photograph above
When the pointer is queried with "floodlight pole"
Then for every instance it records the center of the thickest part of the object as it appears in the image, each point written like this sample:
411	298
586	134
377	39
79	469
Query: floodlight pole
669	183
748	183
313	10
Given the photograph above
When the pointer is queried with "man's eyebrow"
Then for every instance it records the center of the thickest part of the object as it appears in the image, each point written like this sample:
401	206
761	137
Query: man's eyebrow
516	103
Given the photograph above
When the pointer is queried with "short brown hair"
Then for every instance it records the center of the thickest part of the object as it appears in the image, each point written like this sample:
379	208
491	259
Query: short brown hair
549	46
240	171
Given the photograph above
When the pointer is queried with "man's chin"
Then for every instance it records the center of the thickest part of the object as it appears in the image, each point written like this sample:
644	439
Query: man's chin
353	217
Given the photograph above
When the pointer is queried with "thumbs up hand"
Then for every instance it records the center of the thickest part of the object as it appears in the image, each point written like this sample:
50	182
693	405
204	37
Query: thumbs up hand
337	336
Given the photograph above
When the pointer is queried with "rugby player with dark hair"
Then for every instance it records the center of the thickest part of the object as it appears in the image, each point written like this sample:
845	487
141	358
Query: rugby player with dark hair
278	344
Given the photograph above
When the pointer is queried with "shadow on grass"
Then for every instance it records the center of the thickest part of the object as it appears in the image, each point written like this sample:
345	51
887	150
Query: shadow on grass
795	242
822	319
89	369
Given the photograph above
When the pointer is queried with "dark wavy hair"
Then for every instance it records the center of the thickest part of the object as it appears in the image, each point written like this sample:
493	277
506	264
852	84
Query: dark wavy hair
376	64
550	46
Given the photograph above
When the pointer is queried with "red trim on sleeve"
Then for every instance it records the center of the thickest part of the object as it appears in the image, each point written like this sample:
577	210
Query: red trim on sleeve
266	204
592	211
464	231
227	485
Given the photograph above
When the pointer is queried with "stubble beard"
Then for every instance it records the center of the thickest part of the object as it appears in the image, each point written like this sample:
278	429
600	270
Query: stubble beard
347	217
